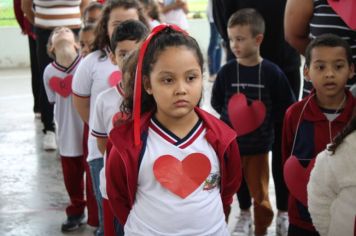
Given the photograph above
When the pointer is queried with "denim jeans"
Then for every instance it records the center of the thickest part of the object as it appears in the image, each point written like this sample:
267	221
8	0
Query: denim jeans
95	167
214	50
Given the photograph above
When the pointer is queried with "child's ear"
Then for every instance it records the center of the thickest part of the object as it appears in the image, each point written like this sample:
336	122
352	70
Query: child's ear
147	85
259	39
112	58
306	73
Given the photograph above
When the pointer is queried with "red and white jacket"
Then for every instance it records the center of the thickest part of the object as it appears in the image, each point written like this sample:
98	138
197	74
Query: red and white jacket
124	161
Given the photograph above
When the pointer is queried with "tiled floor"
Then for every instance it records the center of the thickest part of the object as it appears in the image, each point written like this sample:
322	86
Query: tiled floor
32	194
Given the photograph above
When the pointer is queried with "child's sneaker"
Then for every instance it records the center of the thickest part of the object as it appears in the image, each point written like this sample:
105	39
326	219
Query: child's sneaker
72	223
49	141
282	224
243	225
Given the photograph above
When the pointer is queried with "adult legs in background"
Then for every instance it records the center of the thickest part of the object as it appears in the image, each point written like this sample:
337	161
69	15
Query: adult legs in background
214	52
35	76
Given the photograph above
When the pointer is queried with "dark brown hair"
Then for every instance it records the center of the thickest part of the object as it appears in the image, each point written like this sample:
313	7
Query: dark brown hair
349	128
327	40
102	39
160	42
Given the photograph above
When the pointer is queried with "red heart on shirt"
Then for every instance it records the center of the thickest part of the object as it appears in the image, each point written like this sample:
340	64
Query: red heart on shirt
346	10
119	116
245	118
114	78
62	86
297	178
182	177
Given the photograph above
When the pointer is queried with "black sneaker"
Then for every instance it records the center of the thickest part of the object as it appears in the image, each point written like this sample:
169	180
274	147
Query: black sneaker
72	223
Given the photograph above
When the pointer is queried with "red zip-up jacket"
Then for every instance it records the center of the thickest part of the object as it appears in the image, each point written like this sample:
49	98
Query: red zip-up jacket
124	161
313	135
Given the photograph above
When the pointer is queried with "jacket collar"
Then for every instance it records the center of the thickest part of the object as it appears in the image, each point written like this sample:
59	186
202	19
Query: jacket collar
313	112
217	131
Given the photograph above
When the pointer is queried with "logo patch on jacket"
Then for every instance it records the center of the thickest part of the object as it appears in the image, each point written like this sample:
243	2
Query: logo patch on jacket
211	182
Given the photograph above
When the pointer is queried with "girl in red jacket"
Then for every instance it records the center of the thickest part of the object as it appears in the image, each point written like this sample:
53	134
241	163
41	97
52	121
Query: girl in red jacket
174	170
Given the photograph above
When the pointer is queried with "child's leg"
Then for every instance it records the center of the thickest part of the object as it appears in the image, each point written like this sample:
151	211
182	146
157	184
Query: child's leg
257	176
73	175
243	196
95	167
109	227
91	201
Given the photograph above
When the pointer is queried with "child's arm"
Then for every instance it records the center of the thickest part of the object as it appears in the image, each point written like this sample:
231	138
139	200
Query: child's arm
321	193
81	86
218	94
99	130
26	6
287	135
116	186
51	95
233	176
82	104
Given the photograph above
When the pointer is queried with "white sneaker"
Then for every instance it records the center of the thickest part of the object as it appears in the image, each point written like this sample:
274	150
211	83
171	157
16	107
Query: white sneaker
282	224
49	141
243	225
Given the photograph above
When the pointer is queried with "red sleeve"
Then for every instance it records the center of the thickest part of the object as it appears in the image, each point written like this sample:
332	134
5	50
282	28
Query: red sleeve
287	135
233	176
116	186
19	14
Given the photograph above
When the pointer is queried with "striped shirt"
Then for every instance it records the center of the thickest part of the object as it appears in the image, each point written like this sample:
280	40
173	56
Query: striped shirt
54	13
326	20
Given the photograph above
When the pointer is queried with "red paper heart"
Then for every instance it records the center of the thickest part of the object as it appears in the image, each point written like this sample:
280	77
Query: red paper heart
244	118
182	177
346	10
297	178
62	86
114	78
119	116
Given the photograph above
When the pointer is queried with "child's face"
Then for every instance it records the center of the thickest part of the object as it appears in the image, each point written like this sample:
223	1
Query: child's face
243	45
175	83
123	49
86	40
329	70
93	15
119	15
62	34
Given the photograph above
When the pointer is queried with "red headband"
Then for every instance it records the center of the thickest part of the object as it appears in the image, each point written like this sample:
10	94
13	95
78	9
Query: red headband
138	79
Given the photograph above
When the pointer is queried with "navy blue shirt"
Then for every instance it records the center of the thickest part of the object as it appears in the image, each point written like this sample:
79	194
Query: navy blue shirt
276	95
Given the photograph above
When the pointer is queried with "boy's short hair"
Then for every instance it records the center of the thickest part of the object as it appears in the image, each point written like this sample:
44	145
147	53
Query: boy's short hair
250	17
128	30
327	40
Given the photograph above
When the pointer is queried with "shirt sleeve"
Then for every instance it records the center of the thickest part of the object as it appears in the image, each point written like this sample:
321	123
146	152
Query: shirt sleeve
218	93
321	193
98	129
51	95
82	80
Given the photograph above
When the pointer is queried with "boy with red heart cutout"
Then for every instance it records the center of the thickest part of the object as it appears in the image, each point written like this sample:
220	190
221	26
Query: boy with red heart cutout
174	170
251	94
311	124
63	48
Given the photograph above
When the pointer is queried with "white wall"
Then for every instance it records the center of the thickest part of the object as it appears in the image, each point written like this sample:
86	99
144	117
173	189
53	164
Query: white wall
14	50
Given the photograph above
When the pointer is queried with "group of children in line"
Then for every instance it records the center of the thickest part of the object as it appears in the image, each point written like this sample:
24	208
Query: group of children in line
127	110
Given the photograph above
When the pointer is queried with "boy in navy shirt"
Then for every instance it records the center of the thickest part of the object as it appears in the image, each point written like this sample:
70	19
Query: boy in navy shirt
250	94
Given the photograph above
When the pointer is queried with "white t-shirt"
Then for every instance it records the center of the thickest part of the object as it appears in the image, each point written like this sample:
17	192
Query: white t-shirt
106	107
157	210
93	76
176	17
57	82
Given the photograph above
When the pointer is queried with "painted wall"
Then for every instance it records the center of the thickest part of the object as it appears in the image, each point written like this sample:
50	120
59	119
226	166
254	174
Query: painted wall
14	50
